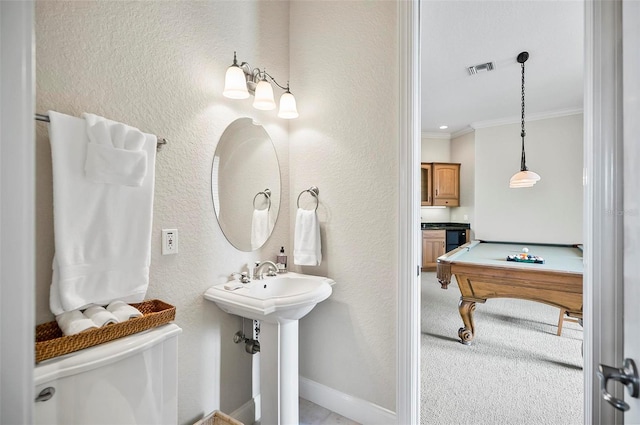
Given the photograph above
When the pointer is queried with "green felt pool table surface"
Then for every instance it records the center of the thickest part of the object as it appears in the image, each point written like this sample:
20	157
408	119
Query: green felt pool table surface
566	258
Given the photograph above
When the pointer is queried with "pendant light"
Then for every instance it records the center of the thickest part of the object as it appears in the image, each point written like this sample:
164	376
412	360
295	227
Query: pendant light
524	178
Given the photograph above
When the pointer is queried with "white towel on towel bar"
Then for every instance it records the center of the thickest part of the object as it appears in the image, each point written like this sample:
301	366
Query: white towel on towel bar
261	227
115	153
307	248
102	231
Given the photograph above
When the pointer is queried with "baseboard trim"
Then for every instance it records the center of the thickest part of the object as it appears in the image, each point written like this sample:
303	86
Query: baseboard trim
354	408
247	412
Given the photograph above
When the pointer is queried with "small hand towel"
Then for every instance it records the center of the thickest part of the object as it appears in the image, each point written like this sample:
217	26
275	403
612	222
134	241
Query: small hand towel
233	285
307	248
260	228
102	231
123	311
100	316
74	322
114	152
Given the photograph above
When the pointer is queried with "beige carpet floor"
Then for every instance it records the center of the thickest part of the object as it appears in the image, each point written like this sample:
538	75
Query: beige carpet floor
518	371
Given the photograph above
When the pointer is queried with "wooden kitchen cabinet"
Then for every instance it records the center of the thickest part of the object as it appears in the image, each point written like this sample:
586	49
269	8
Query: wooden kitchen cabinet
446	184
440	184
426	184
433	246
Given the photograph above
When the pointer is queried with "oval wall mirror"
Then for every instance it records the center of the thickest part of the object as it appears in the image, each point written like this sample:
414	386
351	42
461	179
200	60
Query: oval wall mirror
245	184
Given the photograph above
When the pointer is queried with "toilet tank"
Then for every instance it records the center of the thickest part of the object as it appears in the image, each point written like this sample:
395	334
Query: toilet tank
132	380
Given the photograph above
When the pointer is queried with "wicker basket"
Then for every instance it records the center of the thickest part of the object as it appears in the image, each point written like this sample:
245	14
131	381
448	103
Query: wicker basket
50	342
218	418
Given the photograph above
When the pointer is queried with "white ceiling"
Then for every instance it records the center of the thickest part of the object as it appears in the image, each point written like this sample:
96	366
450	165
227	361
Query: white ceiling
459	34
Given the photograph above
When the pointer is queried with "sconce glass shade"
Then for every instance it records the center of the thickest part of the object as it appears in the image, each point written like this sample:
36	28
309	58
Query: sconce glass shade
288	109
264	96
523	179
235	83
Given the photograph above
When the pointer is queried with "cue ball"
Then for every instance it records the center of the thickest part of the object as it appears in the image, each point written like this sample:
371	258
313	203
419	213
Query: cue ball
525	249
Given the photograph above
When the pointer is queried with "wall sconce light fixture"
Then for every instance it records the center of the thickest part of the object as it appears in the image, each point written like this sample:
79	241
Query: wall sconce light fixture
241	80
524	178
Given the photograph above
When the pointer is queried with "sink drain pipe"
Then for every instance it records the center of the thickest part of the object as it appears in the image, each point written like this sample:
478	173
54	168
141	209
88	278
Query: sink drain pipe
251	346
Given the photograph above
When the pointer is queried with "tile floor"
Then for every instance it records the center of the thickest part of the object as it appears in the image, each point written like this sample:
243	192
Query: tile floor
312	414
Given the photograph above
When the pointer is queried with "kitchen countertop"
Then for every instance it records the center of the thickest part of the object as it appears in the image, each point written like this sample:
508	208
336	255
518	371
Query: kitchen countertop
445	226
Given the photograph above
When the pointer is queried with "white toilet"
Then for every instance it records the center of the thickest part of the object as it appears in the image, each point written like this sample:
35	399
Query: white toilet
132	380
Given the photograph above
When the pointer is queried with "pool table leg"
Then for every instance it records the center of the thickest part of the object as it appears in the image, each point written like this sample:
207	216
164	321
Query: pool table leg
444	274
466	309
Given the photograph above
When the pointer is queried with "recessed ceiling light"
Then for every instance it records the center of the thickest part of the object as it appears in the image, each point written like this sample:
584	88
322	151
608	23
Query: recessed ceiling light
483	67
444	127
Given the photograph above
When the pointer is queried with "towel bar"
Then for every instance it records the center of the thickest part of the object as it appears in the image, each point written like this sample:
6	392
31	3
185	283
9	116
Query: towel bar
314	191
267	194
45	118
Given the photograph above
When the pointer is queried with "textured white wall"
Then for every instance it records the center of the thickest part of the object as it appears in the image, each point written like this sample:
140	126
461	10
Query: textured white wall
550	211
160	66
344	67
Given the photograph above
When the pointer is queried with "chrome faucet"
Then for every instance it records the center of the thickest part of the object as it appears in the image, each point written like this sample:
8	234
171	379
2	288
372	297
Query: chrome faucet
244	278
273	269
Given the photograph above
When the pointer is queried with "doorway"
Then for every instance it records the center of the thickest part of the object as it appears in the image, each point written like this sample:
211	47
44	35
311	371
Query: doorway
602	143
524	356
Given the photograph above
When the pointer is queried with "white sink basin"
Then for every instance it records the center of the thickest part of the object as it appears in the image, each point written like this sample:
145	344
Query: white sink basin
284	297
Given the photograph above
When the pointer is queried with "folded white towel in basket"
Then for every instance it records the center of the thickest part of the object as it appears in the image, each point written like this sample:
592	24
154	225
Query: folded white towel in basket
74	322
123	311
100	316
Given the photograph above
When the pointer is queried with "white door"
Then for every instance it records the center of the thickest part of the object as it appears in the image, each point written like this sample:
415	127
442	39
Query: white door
17	209
612	295
631	210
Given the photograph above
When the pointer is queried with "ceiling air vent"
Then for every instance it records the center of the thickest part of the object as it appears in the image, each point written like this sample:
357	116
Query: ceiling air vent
483	67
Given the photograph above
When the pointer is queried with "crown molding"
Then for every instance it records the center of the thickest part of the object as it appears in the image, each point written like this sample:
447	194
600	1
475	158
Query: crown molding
432	135
531	117
462	132
502	121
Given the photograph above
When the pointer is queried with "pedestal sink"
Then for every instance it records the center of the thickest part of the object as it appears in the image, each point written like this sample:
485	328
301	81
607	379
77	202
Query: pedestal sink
278	302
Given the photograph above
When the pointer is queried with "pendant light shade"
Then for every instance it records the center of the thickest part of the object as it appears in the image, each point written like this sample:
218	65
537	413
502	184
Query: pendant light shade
235	82
288	109
264	96
523	178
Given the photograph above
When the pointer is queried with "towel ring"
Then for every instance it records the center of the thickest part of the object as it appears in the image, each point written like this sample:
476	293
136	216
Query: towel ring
267	194
314	191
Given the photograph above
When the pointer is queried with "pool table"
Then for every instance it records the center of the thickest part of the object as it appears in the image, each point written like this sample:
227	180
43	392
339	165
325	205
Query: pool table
482	272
